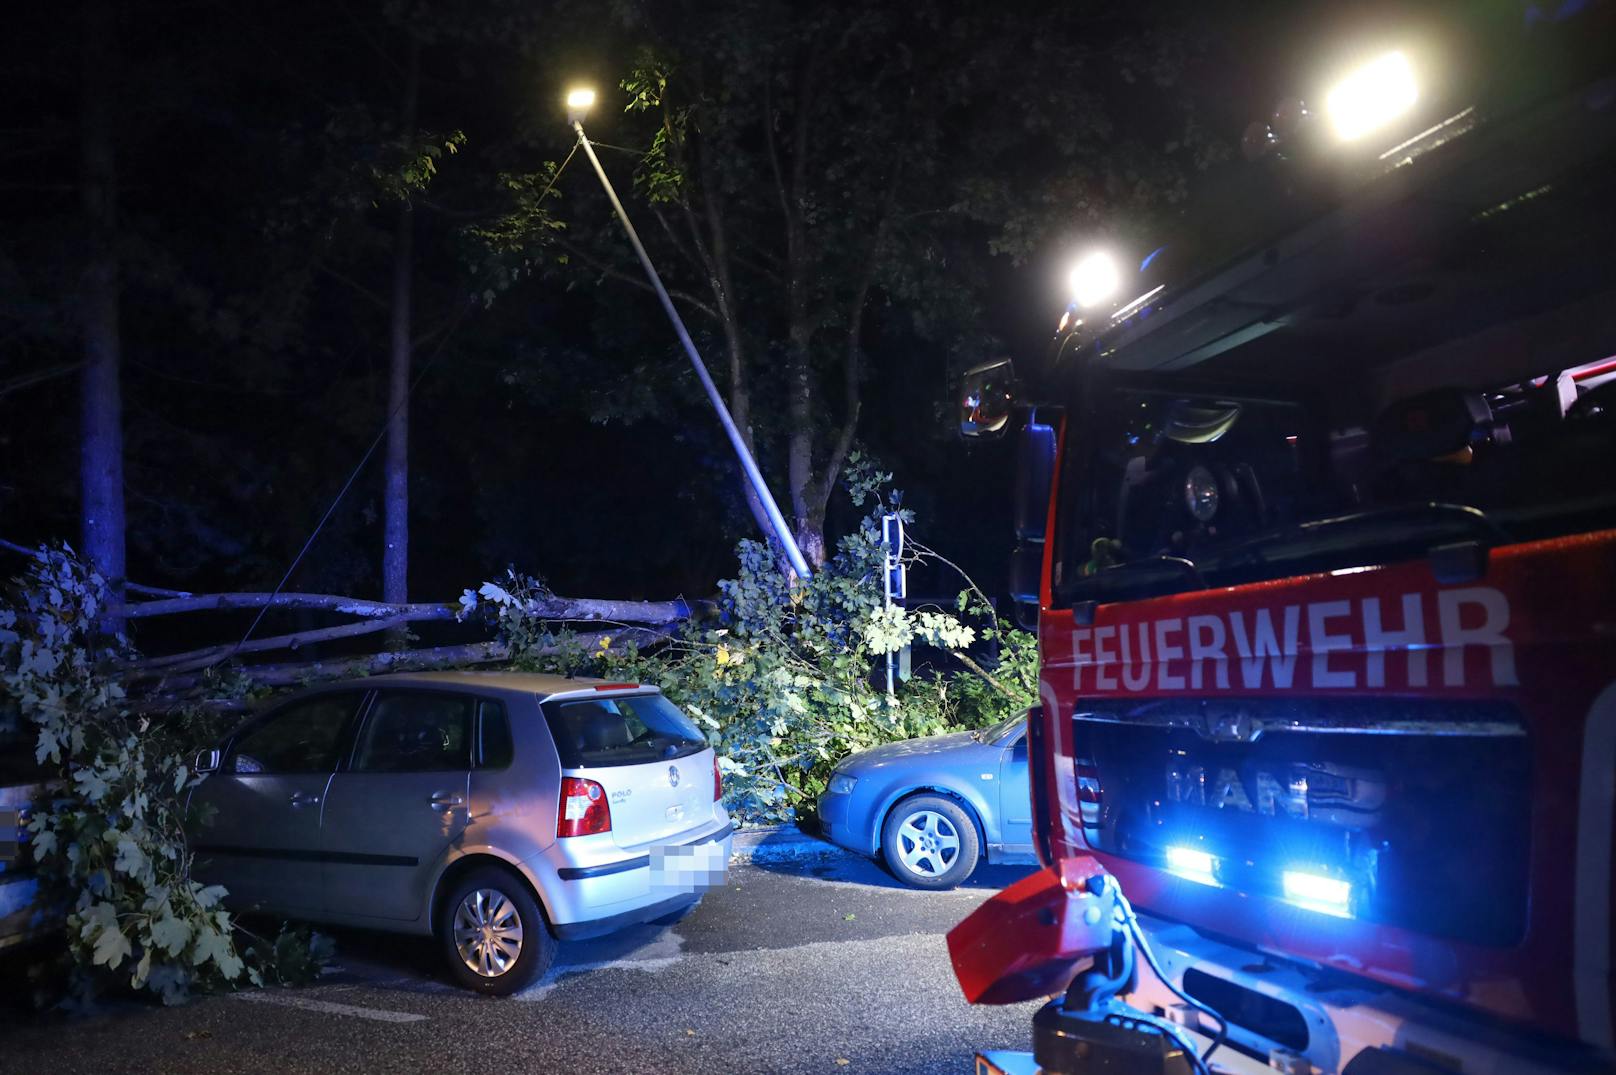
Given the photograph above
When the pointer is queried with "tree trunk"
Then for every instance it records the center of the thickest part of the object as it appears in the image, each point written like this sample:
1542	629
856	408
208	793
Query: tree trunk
101	440
396	502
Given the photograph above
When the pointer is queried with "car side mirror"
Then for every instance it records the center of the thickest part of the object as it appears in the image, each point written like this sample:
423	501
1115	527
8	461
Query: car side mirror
206	761
987	397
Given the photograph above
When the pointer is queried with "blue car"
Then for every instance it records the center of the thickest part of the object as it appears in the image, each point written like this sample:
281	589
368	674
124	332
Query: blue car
933	807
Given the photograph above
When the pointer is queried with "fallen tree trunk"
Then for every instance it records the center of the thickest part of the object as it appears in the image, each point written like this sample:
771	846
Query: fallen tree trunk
173	687
208	655
552	608
178	677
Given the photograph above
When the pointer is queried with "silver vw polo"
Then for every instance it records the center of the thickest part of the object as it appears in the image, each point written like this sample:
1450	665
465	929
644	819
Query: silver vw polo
499	812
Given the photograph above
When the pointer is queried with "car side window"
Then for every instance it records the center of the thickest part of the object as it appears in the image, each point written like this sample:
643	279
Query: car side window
304	737
416	732
1018	752
494	730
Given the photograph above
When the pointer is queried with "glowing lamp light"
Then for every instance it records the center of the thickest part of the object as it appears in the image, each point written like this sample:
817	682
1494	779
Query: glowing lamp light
1192	865
1372	96
1315	892
579	102
1095	279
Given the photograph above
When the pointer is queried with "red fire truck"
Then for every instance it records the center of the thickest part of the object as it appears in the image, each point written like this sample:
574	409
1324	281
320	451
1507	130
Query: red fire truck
1322	549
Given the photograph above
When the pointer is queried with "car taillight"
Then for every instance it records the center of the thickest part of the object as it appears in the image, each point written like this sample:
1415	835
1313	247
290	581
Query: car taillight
718	779
584	810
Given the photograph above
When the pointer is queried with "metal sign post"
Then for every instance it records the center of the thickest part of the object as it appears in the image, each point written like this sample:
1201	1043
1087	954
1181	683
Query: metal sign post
895	577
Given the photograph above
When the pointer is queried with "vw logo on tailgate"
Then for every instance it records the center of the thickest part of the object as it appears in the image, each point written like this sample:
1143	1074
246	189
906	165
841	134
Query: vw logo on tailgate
673	776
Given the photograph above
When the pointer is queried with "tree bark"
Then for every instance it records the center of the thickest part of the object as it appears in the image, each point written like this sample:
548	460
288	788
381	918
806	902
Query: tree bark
396	497
101	440
288	675
552	608
716	257
809	518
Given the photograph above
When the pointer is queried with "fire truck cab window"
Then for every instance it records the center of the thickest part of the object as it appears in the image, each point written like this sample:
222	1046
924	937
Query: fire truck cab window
1179	476
1176	491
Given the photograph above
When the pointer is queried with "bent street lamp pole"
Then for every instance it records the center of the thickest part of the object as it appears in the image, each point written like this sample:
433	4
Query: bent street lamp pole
754	476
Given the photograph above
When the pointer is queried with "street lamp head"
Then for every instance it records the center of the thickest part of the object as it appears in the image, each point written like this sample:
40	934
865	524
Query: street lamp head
579	102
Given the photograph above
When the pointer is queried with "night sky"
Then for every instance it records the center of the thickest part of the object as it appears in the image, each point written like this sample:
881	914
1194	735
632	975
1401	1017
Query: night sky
556	426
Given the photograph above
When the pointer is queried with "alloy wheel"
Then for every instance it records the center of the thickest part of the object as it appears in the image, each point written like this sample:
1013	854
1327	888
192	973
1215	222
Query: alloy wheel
488	932
928	843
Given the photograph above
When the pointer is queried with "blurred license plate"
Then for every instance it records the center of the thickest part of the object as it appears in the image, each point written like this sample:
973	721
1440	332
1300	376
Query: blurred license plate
688	867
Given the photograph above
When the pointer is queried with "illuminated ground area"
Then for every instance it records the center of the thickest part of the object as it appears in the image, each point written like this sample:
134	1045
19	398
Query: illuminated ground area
788	969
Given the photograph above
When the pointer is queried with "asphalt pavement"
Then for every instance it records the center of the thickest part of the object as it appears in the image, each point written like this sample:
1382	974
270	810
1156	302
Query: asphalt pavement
822	965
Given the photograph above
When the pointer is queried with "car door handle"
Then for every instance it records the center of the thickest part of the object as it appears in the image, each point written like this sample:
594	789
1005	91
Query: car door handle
302	799
446	801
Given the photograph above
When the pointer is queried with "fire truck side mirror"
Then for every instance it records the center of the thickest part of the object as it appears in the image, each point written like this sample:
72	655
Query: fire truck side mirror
987	397
1035	473
1026	570
1035	469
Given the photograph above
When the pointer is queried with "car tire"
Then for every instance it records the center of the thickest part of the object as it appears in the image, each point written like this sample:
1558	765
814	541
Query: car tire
482	960
930	841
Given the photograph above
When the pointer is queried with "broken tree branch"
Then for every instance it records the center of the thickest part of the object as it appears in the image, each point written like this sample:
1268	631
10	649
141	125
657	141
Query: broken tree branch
552	608
132	587
416	660
192	660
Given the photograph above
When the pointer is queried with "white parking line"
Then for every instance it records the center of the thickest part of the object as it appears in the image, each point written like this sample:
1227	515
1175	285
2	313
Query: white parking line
659	954
329	1008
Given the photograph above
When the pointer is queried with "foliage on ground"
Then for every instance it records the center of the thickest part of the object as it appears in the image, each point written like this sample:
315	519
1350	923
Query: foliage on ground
784	679
111	846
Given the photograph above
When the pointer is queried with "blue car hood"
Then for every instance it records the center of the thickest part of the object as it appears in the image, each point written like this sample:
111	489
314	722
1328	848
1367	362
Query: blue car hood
887	752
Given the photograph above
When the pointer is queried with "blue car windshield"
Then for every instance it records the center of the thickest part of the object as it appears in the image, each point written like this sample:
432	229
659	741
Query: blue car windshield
995	733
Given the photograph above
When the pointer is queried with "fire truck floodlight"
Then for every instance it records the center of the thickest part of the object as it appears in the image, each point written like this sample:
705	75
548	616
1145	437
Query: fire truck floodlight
1095	279
1315	892
1192	865
1371	97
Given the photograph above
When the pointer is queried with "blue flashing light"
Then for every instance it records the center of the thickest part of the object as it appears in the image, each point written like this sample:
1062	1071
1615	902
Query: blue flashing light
1192	865
1315	892
1150	257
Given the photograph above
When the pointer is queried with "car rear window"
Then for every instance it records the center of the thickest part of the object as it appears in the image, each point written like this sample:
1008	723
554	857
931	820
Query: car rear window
621	730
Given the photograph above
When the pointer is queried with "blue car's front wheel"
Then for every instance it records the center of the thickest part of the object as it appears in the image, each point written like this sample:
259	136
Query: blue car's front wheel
929	841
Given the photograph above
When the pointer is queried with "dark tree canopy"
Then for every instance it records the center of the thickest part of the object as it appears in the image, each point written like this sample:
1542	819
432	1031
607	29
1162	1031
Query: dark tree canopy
851	200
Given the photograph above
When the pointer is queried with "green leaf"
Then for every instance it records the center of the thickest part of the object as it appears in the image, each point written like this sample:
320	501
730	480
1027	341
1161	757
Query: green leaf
111	946
210	896
213	945
170	933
